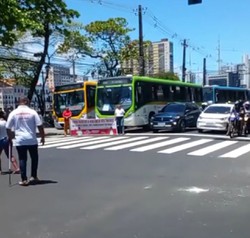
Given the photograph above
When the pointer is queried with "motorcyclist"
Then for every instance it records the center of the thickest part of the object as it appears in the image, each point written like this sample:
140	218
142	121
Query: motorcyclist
235	117
246	121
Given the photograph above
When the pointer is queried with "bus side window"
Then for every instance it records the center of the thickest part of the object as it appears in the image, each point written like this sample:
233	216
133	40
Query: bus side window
183	94
197	94
160	93
139	96
189	94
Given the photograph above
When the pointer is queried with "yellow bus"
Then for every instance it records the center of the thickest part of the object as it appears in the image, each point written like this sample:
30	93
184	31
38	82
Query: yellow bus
79	97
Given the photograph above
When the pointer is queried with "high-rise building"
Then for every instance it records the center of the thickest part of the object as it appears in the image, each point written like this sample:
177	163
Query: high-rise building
58	75
158	59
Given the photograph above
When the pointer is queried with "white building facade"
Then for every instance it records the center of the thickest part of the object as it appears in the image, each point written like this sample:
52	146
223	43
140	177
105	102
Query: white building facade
10	95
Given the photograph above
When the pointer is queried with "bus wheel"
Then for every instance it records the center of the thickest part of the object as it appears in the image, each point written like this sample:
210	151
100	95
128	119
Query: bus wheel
182	126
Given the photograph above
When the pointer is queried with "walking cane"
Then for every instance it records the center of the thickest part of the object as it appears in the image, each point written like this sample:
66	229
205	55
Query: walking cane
9	155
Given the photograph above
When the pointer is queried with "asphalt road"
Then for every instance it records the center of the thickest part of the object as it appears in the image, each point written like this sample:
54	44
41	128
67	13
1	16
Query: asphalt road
127	194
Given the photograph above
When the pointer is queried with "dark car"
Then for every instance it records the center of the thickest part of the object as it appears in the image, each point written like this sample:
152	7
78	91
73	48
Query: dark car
176	116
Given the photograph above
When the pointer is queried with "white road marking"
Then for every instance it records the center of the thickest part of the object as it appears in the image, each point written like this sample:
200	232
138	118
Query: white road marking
63	140
236	153
100	140
212	148
112	143
160	144
70	142
119	147
185	146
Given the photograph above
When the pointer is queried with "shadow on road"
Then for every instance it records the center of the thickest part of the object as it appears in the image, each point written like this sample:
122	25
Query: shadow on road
42	182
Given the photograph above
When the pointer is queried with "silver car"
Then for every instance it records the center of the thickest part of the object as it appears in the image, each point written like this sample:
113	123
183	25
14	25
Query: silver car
215	117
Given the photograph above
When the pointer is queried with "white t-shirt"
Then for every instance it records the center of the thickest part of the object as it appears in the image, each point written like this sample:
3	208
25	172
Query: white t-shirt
24	122
3	132
119	112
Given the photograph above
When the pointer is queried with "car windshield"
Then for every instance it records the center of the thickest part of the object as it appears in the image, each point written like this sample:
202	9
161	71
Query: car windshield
218	109
174	108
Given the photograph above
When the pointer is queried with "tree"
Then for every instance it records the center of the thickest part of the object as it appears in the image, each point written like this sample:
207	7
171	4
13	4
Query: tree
52	16
15	66
131	52
15	18
167	75
102	40
41	18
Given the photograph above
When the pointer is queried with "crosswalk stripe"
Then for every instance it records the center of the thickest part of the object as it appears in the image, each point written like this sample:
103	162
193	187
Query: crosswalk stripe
91	142
70	142
237	152
212	148
111	143
160	144
184	146
64	140
119	147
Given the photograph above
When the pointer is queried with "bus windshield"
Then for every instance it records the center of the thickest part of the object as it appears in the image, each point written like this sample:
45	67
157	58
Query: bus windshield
73	100
109	97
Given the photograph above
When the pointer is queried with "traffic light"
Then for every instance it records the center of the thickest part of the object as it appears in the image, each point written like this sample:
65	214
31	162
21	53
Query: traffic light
191	2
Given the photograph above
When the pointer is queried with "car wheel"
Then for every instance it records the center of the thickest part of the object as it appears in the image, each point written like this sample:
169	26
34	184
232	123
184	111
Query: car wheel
200	130
182	126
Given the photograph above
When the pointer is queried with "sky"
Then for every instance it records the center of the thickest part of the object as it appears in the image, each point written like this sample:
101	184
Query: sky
217	30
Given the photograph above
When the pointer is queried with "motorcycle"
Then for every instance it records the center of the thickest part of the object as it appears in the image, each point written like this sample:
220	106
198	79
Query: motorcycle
246	122
234	126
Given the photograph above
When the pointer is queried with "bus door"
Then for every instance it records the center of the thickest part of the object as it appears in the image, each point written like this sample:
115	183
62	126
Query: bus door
90	109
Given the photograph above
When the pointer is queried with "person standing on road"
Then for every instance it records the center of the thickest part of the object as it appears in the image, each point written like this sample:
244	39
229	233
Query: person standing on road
6	145
67	114
119	117
24	121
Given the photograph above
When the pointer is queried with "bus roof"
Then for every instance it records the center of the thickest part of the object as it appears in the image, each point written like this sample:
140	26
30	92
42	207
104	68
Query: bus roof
129	79
72	86
167	81
225	87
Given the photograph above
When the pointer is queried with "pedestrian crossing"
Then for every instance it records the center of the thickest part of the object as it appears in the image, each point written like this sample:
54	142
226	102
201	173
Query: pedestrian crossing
160	144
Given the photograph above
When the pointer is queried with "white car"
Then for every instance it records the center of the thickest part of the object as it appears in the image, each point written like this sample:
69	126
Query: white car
215	117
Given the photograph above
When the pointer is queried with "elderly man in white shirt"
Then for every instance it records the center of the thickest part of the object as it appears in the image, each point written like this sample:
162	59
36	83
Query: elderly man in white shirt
24	121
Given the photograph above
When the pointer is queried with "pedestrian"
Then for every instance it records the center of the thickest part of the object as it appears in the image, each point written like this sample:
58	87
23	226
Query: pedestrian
6	145
67	114
24	121
119	117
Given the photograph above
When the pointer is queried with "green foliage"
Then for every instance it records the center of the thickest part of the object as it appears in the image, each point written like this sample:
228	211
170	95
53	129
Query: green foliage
74	40
167	75
103	40
17	68
41	18
131	50
111	36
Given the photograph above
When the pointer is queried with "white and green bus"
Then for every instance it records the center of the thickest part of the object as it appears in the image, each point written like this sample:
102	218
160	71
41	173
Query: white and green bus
141	97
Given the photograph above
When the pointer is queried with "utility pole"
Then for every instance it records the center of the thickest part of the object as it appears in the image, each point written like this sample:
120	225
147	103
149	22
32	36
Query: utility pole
219	57
141	50
204	71
74	70
184	60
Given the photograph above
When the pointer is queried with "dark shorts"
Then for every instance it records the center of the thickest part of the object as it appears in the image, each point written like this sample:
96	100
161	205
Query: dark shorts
4	145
